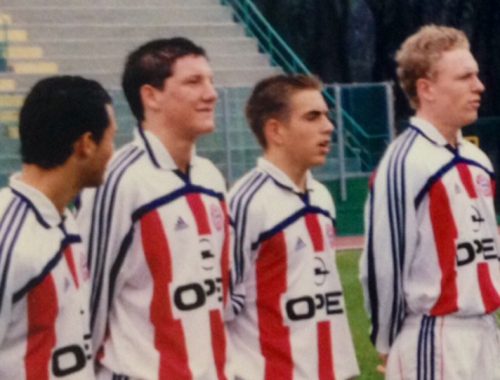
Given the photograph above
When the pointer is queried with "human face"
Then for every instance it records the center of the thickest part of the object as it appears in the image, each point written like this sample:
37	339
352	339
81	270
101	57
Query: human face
188	98
456	89
308	130
102	152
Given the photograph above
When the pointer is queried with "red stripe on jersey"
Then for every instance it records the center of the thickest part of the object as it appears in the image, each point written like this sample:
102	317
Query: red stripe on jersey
445	233
225	272
218	342
466	178
274	336
200	213
68	255
325	352
491	299
315	233
42	314
493	188
169	335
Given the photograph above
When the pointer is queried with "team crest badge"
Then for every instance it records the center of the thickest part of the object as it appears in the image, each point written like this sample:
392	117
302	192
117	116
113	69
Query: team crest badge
483	185
217	217
330	234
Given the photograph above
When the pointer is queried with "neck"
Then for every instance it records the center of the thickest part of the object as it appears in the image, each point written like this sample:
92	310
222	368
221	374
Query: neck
179	147
295	172
449	132
59	186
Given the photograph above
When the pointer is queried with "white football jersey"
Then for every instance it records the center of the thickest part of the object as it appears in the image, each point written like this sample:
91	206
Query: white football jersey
289	311
44	290
432	242
158	253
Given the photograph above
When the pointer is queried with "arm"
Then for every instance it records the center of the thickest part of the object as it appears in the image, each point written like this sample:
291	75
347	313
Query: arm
105	223
244	226
391	231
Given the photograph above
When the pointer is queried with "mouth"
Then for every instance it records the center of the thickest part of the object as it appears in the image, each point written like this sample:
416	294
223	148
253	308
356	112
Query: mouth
325	146
476	103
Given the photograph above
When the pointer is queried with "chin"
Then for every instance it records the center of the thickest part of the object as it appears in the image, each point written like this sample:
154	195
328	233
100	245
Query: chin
203	130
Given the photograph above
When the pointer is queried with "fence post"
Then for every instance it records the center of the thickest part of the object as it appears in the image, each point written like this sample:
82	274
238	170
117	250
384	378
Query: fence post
227	125
340	139
389	93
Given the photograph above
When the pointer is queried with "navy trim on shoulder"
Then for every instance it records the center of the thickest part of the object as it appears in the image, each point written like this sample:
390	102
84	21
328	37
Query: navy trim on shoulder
11	224
37	213
188	189
445	169
287	222
67	241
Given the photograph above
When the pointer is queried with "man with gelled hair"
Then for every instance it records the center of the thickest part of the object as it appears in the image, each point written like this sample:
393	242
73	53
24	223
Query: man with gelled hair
430	268
157	230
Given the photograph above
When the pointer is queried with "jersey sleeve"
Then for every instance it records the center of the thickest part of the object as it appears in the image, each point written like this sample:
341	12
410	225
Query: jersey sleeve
245	217
391	236
6	294
105	222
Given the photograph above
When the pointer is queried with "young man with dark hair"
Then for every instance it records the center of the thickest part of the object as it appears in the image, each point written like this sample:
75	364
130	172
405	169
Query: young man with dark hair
430	266
158	228
66	129
290	317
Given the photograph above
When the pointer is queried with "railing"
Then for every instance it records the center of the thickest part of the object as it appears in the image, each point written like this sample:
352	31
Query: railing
246	12
4	28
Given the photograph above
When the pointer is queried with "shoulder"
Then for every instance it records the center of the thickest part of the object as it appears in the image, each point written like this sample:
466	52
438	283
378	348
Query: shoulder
322	197
208	174
471	151
254	187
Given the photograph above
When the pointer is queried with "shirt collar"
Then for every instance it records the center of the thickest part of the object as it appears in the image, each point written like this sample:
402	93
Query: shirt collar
432	133
45	210
281	177
157	152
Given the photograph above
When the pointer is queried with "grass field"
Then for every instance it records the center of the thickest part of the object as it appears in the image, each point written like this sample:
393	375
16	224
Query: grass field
347	262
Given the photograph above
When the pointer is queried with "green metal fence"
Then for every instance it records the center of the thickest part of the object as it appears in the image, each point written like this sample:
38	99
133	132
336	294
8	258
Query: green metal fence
233	148
256	25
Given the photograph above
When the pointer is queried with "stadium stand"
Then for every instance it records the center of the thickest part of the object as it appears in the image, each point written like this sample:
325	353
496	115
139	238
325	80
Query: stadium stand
92	37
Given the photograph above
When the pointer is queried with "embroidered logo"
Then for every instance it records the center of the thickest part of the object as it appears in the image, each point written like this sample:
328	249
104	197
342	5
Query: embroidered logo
330	234
483	185
300	244
217	217
180	224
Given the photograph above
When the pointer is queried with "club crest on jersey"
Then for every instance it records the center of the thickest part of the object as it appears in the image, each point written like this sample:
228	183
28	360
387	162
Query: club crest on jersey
330	234
84	268
217	217
483	185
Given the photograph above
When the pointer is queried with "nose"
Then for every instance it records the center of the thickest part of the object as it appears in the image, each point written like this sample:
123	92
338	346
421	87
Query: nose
210	93
329	126
478	85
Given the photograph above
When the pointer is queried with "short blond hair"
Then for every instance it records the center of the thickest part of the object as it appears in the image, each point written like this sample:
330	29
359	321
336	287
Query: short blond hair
419	53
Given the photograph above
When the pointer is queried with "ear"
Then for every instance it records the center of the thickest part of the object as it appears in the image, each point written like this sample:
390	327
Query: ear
425	89
149	97
274	132
85	146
